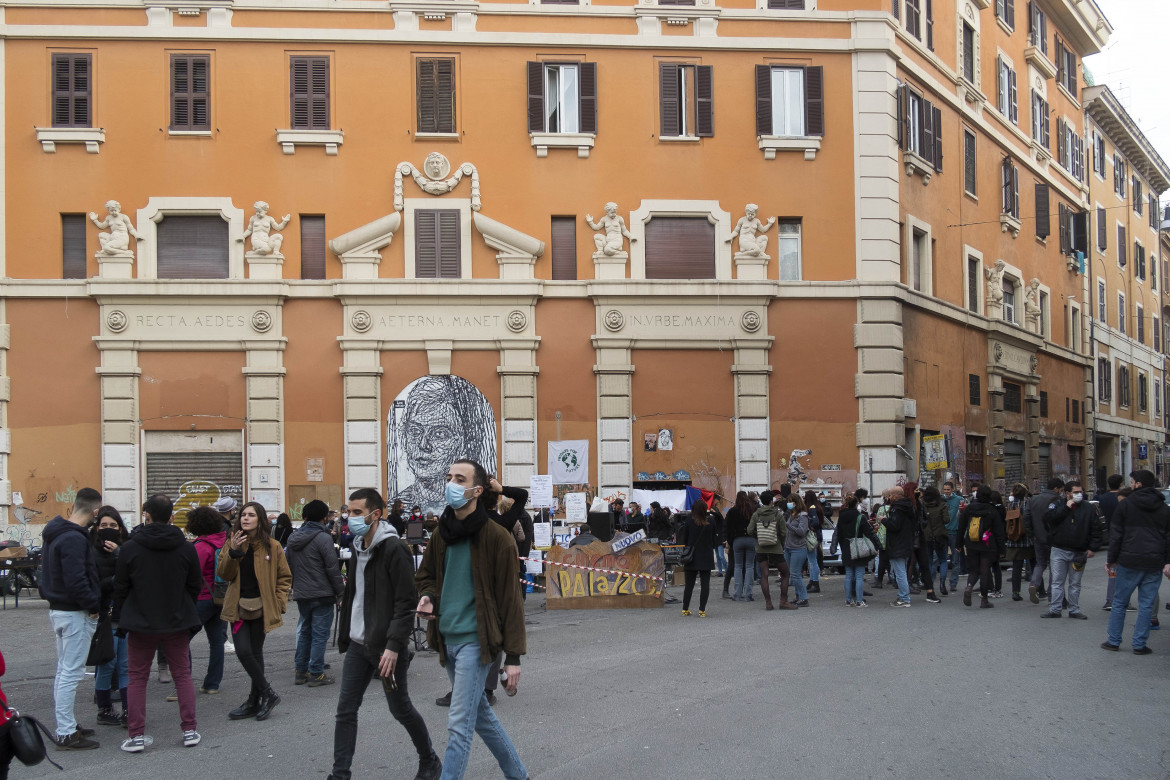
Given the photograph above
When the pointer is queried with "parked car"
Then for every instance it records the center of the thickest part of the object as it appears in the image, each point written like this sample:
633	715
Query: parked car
830	560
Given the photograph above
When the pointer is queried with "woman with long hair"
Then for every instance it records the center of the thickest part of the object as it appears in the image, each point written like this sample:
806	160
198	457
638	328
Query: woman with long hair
1019	551
852	524
698	534
742	549
283	529
108	532
920	553
816	522
795	546
259	582
767	526
206	525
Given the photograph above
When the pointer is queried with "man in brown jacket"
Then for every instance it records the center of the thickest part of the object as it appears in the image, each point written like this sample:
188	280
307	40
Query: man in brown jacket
468	583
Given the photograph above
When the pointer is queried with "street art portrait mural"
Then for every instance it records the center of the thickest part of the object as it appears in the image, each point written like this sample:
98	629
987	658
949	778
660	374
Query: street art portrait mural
435	421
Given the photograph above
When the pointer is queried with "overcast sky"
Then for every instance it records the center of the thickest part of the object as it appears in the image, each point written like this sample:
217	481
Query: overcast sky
1129	66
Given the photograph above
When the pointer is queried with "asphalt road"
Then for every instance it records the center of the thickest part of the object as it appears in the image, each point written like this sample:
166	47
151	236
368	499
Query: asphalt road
826	692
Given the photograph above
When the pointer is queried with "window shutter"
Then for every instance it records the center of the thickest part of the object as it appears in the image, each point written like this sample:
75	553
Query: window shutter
938	136
319	86
426	244
970	169
1072	72
680	248
1045	127
814	100
564	248
705	100
588	90
1009	12
1062	224
1043	223
763	100
1079	231
535	97
1013	101
1060	141
1006	178
926	137
449	249
930	24
1015	192
1121	248
312	246
786	5
189	93
1102	238
896	9
192	247
445	94
310	93
427	97
905	120
73	246
668	97
71	90
1059	49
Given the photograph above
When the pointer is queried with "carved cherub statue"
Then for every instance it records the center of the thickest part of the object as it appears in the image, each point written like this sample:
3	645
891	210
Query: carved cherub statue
1032	302
117	241
995	282
264	230
753	240
614	226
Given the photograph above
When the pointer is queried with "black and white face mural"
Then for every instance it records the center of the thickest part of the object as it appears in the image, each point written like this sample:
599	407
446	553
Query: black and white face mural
435	421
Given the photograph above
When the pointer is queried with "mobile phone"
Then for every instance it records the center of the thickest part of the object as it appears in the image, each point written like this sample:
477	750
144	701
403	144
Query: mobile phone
426	615
389	684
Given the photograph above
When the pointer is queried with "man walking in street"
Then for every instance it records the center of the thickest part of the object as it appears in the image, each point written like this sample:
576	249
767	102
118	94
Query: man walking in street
377	615
900	523
156	584
1107	501
318	586
1139	554
953	501
1033	516
1074	531
468	577
70	584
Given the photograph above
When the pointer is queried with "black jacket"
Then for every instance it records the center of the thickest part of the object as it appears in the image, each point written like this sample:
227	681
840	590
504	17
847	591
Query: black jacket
736	524
1139	536
900	522
69	579
312	559
1077	529
935	516
660	527
702	538
515	514
989	519
1107	502
847	527
1033	515
107	564
157	581
388	601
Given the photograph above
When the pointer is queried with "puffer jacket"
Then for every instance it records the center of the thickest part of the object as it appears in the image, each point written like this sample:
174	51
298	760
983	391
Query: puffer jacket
312	558
900	523
1139	536
157	581
936	515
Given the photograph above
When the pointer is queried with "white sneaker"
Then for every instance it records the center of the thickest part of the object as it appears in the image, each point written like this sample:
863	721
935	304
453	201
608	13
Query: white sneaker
137	744
229	646
862	604
191	738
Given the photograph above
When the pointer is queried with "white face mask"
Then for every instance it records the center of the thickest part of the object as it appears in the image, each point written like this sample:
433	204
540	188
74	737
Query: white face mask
1078	497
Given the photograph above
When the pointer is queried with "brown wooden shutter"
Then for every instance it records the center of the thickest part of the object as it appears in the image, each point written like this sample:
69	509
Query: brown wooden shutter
193	247
309	81
814	100
786	5
72	90
73	246
668	99
680	248
189	92
906	120
437	245
938	152
312	246
704	101
427	119
1059	51
926	137
535	97
588	92
445	95
1121	246
450	266
1062	220
1102	230
763	100
564	248
930	24
1043	223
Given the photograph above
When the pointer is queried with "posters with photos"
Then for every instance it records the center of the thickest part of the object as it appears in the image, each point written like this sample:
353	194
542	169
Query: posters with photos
665	439
650	442
568	461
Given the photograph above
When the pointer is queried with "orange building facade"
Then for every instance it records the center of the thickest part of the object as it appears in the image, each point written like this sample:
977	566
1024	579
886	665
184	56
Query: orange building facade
433	268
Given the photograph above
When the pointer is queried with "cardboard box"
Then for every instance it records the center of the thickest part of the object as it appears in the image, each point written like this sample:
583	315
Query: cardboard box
679	577
13	552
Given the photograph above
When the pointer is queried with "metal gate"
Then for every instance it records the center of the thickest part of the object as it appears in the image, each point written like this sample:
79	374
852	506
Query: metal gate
191	479
1013	463
1045	473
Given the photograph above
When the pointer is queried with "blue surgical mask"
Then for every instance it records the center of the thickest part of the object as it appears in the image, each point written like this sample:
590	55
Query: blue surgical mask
357	525
456	495
791	506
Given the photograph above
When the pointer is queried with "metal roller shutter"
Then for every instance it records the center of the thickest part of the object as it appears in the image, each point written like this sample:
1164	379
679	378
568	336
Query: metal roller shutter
1013	463
192	479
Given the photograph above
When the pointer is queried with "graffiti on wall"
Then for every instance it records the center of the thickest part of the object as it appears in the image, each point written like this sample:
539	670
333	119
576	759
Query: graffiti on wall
797	471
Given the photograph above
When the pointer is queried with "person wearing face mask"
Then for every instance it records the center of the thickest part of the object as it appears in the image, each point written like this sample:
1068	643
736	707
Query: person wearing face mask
1074	532
795	547
259	582
108	533
373	633
767	526
468	581
318	585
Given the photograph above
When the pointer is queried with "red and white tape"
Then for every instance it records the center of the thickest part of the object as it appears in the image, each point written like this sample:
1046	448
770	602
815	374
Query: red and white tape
604	571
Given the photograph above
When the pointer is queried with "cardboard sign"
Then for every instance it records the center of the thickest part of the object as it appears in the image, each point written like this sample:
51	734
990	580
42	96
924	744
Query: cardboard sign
627	541
609	579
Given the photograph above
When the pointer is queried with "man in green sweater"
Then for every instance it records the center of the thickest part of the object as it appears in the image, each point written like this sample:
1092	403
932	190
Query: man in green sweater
468	580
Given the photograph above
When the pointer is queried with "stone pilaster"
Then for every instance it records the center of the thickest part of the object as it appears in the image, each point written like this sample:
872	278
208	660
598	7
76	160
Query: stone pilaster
880	387
119	373
362	375
995	422
1031	434
518	454
5	431
264	379
614	370
753	444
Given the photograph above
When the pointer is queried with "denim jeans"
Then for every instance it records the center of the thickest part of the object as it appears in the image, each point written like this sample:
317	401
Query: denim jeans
720	559
956	564
216	630
814	567
855	583
1060	562
470	712
743	550
116	670
356	673
1043	561
313	634
898	567
1146	583
796	560
73	631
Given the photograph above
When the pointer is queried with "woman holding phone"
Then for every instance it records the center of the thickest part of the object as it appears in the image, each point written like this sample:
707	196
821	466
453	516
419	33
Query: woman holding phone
259	582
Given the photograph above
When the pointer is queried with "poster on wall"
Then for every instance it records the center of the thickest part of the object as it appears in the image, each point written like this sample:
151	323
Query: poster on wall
934	451
435	421
666	439
568	461
650	442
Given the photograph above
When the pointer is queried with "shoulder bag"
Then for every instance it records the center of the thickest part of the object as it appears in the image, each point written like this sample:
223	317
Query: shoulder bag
101	645
688	554
766	533
24	736
860	546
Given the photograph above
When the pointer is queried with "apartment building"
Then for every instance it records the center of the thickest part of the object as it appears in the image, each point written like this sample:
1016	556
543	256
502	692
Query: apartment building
486	229
1128	277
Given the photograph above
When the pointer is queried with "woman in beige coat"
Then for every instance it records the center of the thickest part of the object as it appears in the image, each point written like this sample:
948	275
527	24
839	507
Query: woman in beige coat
259	582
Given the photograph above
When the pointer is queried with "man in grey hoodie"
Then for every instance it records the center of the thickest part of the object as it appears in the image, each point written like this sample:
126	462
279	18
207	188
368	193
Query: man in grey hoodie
373	631
317	586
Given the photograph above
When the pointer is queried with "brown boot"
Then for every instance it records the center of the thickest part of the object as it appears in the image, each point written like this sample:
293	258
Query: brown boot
785	605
